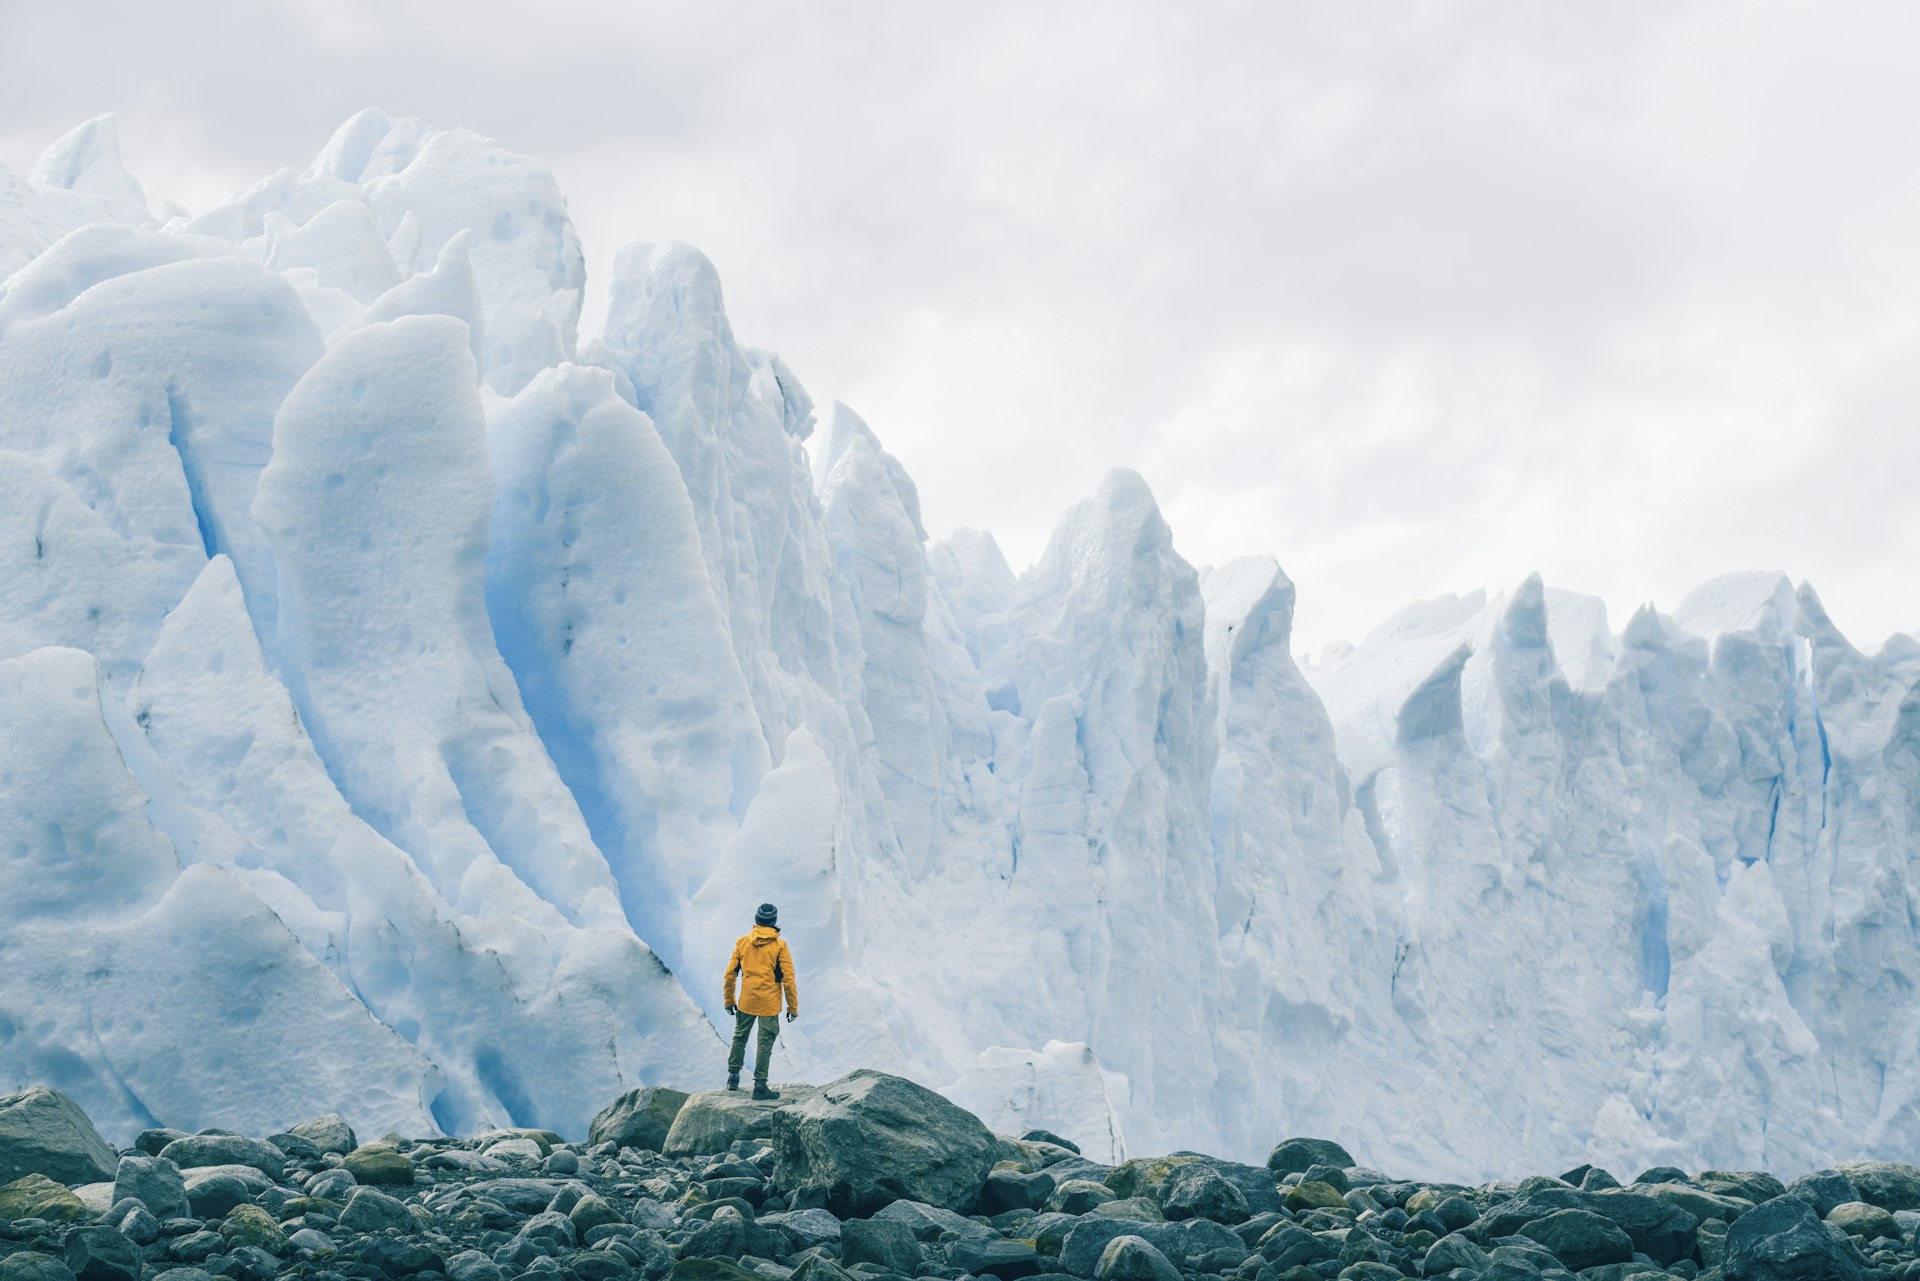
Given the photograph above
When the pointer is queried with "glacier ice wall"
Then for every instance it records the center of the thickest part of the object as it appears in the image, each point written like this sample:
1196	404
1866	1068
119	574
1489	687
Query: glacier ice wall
403	704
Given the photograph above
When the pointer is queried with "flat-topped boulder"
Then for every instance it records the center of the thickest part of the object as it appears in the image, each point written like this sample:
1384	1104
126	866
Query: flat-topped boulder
712	1121
42	1131
868	1139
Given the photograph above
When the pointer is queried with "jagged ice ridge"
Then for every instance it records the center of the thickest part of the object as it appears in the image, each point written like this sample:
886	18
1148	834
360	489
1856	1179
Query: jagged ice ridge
403	703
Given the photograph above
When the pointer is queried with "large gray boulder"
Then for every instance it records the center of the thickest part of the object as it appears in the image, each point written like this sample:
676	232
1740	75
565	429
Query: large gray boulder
1659	1229
870	1138
42	1131
1784	1240
712	1121
1887	1184
204	1151
154	1182
1294	1156
1580	1239
638	1119
328	1133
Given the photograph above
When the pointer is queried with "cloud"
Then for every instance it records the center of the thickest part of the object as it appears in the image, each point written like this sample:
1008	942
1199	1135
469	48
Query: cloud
1418	299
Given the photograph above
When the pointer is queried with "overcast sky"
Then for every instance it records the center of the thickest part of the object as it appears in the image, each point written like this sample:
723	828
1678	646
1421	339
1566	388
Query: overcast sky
1419	298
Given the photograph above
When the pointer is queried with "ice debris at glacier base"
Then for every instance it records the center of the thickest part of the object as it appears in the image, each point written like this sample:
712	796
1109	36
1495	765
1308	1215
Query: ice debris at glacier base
405	702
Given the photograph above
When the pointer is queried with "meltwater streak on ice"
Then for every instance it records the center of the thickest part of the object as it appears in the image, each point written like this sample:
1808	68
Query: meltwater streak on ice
396	663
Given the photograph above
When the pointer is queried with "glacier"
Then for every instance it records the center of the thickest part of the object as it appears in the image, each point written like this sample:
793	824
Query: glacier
404	701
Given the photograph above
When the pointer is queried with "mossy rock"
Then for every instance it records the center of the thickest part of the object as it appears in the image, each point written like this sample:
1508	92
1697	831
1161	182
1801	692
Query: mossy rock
1314	1196
310	1205
251	1225
379	1165
1143	1175
35	1196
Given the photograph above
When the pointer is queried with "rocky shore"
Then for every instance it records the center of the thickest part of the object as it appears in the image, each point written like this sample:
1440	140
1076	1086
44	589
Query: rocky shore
871	1178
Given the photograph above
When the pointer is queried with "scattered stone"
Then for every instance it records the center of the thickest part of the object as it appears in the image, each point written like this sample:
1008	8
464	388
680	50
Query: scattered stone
1701	1204
195	1247
1048	1136
561	1161
184	1274
1197	1191
42	1131
806	1228
1313	1196
1295	1156
97	1197
1784	1240
1580	1239
1289	1246
35	1196
101	1254
1752	1185
251	1225
332	1185
372	1211
1887	1184
1079	1196
929	1222
638	1119
1662	1231
1144	1176
1131	1258
1086	1242
994	1257
202	1151
31	1265
891	1245
154	1181
328	1133
136	1224
870	1138
1824	1189
380	1165
215	1195
1010	1190
153	1143
1868	1222
1451	1252
515	1149
1135	1209
311	1241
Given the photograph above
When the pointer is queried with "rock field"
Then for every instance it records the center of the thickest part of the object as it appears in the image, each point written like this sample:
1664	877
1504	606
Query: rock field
870	1178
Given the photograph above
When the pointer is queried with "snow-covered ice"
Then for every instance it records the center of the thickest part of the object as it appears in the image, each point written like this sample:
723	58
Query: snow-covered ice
404	702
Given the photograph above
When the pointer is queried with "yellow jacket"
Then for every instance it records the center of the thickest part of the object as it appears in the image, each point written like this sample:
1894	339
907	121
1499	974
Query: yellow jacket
764	966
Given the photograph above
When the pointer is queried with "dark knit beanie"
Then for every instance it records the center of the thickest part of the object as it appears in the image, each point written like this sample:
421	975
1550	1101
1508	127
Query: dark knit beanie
767	914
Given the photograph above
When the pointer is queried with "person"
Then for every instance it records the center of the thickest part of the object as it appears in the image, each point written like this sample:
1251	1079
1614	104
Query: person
764	968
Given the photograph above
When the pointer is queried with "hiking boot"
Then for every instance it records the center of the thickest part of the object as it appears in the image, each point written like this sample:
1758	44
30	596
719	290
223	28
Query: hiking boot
762	1092
733	1080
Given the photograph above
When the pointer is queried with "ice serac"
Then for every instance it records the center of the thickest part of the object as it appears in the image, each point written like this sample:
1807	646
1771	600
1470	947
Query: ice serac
519	1038
119	968
377	503
1108	655
81	176
600	599
918	685
1060	1088
144	371
1307	923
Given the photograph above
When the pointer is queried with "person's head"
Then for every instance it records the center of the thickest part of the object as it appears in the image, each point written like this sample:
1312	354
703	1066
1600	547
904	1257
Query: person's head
767	915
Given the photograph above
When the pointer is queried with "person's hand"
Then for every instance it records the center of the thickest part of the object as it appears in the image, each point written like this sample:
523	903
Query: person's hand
731	1010
792	1015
